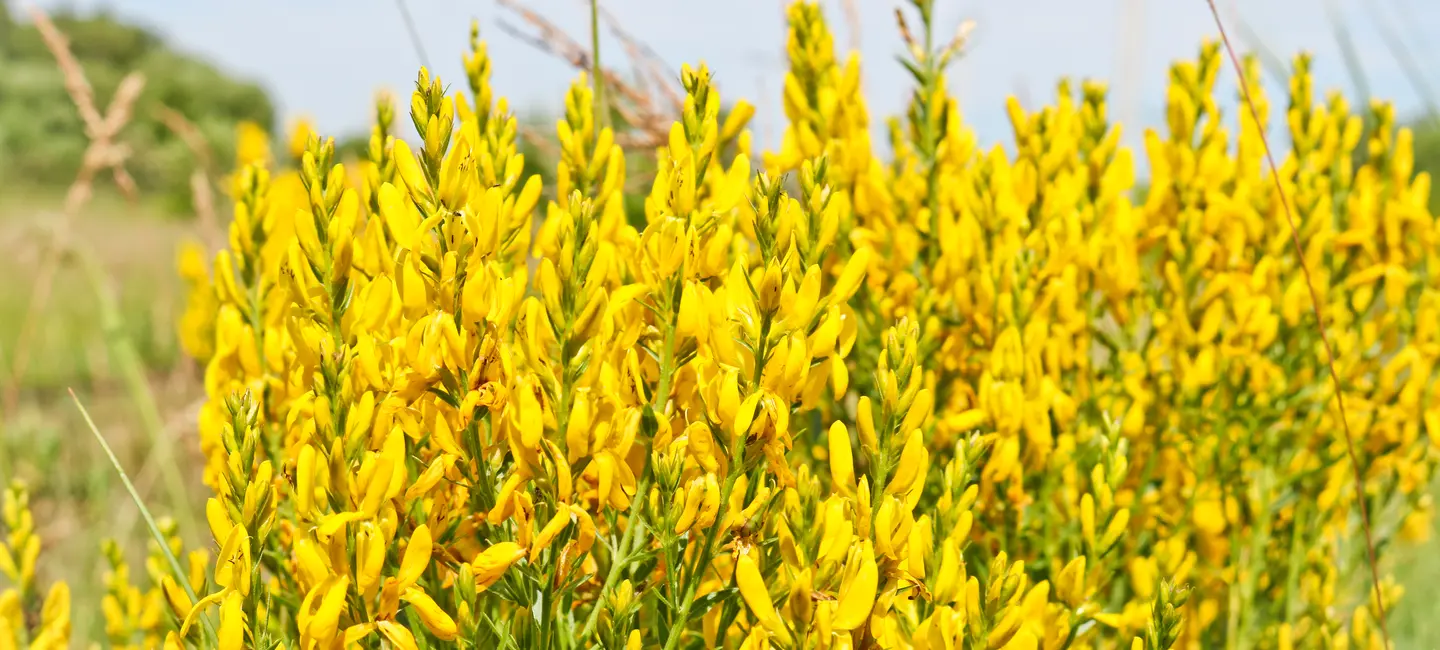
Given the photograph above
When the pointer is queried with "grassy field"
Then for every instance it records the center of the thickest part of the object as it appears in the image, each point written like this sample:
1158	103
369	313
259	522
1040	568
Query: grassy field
77	497
79	500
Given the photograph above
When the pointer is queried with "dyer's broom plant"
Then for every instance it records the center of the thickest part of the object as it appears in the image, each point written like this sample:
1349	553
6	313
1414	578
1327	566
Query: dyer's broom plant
962	398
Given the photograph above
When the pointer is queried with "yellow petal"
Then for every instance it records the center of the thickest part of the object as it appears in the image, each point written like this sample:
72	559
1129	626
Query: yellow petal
435	619
857	601
397	635
232	623
757	597
417	557
850	277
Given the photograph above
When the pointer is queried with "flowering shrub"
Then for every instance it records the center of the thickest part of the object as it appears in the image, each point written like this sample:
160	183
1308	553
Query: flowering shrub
959	398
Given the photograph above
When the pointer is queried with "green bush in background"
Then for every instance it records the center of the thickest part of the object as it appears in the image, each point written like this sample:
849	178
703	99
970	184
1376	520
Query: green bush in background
42	138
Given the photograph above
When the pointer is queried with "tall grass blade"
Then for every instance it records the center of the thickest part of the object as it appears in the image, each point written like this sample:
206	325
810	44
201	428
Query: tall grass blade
175	568
1273	64
1353	66
413	33
1406	59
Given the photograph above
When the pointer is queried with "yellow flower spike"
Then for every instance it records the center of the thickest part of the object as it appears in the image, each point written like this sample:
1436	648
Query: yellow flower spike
586	525
232	623
858	596
504	503
972	602
435	619
1022	640
757	597
762	498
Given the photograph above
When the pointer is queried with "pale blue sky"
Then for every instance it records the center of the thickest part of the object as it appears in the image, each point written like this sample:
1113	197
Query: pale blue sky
325	58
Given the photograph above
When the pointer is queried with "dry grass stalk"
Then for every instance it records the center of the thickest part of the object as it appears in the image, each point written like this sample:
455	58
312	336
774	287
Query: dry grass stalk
852	21
649	123
652	68
547	146
1316	302
102	153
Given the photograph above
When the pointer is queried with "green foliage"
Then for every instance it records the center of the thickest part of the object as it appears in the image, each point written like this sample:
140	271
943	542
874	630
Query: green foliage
1427	155
42	138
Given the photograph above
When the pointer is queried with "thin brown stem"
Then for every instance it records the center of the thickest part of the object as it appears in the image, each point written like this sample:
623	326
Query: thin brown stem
1315	303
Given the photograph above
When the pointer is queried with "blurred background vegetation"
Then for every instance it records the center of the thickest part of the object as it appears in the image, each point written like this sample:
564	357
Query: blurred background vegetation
42	140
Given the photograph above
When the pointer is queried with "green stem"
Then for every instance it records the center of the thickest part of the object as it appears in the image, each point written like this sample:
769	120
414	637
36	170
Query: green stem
692	580
667	369
618	563
761	352
667	357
